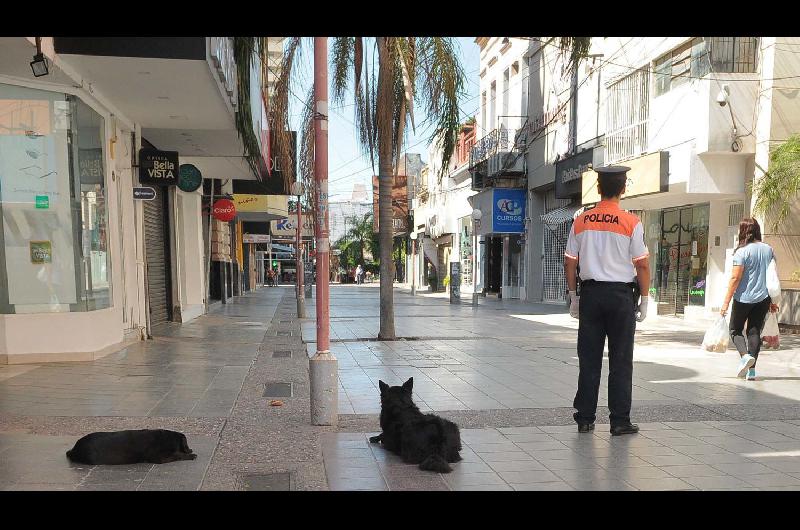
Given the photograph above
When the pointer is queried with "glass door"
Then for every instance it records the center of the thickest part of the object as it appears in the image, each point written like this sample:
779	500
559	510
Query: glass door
682	261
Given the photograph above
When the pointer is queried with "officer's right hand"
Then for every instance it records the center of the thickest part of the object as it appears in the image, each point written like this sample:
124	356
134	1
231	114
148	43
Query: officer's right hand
574	299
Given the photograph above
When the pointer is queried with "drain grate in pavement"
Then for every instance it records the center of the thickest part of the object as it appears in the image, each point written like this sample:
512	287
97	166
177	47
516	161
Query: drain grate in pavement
278	390
284	333
282	353
270	482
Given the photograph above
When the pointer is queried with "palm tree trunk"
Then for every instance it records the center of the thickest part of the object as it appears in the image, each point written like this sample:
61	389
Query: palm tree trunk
385	181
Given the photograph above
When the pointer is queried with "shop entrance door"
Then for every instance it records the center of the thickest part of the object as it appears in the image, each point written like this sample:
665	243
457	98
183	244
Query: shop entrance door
683	259
495	273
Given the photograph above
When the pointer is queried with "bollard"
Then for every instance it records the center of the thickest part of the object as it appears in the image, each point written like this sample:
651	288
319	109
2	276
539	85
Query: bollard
308	285
323	371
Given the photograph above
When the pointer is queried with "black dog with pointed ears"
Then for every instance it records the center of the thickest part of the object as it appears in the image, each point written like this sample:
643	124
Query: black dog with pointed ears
424	439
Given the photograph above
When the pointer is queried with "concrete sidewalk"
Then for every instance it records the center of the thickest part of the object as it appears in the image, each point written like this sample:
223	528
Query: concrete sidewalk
206	378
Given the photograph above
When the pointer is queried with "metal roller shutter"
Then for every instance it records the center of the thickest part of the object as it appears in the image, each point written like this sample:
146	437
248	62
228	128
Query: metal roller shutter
155	229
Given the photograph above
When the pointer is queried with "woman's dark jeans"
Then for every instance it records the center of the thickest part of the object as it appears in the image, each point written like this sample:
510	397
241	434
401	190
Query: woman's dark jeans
754	315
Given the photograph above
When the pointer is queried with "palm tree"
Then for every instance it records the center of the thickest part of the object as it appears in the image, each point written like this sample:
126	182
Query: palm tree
777	191
362	235
409	69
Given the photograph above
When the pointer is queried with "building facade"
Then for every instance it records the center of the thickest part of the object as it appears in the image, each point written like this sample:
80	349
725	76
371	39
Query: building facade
80	254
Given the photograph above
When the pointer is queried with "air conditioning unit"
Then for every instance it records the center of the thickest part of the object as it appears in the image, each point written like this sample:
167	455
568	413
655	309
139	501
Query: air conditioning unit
506	164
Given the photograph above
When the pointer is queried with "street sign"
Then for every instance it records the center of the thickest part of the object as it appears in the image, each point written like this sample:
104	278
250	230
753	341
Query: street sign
144	194
255	238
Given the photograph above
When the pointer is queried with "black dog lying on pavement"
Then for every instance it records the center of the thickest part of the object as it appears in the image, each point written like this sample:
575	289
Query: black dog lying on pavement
424	439
153	446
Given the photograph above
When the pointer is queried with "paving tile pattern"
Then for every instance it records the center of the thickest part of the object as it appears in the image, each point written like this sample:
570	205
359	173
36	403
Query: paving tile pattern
663	456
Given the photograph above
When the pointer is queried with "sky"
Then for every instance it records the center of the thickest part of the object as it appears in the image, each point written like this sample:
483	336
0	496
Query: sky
346	164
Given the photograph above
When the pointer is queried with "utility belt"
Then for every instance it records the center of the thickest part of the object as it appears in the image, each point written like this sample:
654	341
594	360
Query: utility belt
632	285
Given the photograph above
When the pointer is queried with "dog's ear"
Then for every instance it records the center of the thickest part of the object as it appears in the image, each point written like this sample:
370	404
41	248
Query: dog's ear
383	386
408	385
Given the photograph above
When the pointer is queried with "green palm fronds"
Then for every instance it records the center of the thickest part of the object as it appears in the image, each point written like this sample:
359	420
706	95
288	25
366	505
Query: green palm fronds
779	188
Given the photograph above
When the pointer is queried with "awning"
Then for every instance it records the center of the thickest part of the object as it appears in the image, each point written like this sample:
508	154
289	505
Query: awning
561	215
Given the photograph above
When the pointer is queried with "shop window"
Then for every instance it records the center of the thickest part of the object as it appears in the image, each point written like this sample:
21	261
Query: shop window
54	238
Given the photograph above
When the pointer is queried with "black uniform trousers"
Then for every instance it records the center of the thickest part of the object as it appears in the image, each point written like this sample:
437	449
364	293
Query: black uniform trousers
607	309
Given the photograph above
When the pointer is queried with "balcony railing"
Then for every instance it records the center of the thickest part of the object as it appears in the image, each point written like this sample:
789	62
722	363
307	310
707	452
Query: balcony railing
496	141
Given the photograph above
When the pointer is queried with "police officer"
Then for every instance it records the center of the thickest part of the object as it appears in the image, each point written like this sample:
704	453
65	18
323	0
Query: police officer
608	243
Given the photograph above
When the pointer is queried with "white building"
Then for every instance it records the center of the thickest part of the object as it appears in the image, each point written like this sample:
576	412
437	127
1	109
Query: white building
653	104
497	166
442	223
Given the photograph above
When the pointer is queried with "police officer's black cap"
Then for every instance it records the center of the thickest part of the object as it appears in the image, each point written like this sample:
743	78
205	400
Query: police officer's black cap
611	171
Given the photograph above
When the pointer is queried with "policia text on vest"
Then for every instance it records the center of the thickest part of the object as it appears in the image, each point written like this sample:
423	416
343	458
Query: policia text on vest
608	244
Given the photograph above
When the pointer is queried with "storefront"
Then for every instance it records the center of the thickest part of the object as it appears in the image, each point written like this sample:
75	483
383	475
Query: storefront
503	229
53	204
690	236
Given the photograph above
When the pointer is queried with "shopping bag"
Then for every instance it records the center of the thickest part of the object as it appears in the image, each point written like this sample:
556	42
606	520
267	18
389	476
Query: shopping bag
717	337
770	336
773	283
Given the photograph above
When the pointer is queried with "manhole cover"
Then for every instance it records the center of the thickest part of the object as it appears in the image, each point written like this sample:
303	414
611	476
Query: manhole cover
282	353
278	390
270	482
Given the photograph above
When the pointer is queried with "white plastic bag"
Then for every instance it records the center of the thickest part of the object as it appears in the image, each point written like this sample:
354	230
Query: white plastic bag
770	335
773	283
717	337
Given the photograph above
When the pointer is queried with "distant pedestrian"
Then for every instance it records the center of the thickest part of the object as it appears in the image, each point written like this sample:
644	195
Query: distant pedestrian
271	278
359	274
751	300
608	242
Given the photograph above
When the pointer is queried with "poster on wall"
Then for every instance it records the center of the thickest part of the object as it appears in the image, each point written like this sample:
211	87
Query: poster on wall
508	211
41	252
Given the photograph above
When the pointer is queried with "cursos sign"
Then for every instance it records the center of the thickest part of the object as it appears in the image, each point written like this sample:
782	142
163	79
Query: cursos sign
508	211
158	168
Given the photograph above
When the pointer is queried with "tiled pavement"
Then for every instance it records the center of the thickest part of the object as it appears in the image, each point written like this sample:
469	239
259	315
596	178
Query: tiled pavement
675	456
506	369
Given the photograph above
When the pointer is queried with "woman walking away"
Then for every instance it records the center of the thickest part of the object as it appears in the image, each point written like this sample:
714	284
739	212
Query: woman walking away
751	301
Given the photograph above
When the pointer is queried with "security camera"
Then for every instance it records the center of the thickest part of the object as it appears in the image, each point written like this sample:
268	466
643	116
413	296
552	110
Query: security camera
724	95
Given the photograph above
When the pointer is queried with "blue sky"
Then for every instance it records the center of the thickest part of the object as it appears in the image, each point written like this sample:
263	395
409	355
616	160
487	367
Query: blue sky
346	165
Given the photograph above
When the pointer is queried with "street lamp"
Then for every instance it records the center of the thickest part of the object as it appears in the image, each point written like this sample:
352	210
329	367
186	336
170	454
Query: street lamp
39	63
476	223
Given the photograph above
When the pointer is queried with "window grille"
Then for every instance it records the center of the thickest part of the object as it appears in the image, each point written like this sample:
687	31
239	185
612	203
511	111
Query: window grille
735	214
628	114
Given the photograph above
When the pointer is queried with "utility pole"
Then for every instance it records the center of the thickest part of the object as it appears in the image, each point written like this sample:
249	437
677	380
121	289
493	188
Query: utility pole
323	367
297	189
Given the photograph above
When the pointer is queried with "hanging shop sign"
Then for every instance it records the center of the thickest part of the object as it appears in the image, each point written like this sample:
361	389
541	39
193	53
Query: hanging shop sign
224	210
288	227
569	173
189	178
508	211
144	194
159	168
255	238
648	174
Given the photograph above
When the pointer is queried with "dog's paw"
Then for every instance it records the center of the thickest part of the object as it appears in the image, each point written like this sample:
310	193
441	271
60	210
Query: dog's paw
374	439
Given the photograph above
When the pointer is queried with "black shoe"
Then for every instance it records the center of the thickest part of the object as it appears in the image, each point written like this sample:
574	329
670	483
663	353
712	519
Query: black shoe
585	427
630	428
582	427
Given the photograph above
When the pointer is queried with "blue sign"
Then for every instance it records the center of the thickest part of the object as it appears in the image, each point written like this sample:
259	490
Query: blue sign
508	211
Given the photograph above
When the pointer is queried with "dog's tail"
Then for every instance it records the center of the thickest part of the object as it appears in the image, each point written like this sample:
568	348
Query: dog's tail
436	461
